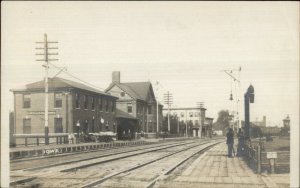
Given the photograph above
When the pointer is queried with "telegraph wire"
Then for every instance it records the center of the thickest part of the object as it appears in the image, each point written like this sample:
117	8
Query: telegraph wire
75	77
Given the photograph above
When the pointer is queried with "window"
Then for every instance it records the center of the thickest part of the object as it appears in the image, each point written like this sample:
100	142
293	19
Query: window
149	109
100	104
58	100
58	125
196	114
26	101
93	103
85	99
122	94
129	107
77	102
26	125
107	105
196	122
182	114
112	106
104	103
191	114
93	125
142	109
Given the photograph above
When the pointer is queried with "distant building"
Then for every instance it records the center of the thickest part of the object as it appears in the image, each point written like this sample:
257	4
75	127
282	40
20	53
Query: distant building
270	130
194	117
138	100
286	122
262	123
70	104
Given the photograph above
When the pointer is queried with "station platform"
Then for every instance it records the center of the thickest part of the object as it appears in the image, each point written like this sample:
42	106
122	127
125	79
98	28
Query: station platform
25	152
214	169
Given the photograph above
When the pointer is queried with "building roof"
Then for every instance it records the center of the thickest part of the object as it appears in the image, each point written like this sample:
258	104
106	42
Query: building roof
187	108
125	115
137	90
57	82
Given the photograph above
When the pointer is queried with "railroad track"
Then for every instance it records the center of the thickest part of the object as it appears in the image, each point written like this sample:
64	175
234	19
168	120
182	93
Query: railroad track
93	171
55	161
144	172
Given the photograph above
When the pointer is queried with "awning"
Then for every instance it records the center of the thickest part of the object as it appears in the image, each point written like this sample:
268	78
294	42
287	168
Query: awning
124	115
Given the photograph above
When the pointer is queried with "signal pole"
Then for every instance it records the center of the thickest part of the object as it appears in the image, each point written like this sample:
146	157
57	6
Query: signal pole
236	80
46	58
168	100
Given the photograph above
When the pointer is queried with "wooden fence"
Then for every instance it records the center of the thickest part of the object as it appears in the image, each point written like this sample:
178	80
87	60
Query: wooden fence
260	160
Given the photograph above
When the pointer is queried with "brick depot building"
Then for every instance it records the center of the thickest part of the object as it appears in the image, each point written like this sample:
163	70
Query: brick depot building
70	104
138	100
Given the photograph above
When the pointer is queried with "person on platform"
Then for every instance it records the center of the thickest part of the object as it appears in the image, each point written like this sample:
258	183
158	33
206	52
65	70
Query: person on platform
230	142
241	144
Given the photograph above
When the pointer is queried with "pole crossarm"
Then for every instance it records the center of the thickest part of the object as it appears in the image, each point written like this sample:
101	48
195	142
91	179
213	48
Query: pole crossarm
234	78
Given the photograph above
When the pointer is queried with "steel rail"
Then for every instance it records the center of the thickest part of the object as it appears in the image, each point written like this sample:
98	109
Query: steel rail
105	155
97	182
171	169
122	157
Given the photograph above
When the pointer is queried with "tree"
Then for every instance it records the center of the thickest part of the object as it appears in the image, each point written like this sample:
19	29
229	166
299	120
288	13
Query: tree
222	122
173	124
256	131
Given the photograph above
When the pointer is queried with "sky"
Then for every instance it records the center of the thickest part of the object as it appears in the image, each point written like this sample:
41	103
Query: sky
182	45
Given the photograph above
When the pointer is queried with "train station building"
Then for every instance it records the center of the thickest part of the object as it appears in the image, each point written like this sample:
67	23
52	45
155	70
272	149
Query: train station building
73	107
138	100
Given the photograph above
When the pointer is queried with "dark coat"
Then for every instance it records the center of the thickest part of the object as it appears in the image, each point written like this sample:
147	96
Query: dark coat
230	139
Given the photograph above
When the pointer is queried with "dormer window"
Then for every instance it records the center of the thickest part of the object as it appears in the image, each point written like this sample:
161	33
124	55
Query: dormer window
122	94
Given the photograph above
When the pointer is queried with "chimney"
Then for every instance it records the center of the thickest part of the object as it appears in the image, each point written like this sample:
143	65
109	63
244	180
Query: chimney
116	77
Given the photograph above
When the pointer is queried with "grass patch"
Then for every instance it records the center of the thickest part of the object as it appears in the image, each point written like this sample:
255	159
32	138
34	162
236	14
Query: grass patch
278	144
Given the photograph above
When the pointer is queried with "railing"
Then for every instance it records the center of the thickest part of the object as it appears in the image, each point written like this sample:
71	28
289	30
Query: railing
262	160
37	139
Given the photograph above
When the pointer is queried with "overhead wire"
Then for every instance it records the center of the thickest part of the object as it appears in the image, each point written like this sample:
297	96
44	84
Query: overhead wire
75	77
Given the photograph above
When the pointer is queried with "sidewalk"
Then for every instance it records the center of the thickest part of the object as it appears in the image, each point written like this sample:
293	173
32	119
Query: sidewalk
214	169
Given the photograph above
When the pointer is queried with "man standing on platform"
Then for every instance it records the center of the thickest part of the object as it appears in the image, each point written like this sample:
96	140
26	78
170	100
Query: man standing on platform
230	142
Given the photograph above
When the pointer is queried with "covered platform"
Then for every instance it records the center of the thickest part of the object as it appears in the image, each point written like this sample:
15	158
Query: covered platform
127	125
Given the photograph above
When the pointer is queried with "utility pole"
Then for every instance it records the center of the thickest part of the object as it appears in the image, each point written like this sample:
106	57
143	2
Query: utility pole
46	59
168	100
157	114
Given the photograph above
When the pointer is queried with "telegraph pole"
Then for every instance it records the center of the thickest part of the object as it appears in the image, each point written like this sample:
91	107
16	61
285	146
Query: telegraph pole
157	114
168	100
46	59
